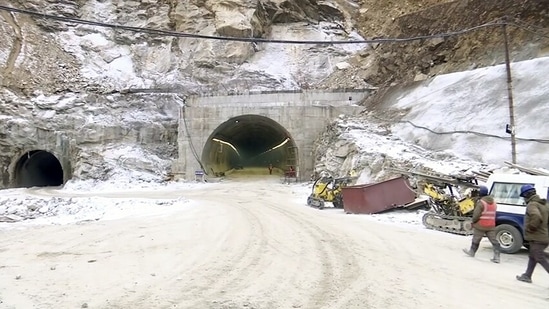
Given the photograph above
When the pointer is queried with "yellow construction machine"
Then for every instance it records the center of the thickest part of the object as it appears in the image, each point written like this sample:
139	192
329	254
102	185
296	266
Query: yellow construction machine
328	189
451	200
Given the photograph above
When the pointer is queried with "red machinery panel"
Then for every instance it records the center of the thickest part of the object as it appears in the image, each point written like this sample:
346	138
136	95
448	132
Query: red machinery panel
377	197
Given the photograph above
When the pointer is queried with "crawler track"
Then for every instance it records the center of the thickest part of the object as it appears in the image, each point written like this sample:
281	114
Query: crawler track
450	224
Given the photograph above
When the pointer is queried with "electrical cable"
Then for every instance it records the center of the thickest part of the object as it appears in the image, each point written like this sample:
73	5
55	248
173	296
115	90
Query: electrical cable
241	39
191	145
529	30
526	24
497	22
542	141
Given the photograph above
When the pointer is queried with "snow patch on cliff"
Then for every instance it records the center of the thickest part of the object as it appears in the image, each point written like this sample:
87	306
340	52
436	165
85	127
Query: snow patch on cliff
470	110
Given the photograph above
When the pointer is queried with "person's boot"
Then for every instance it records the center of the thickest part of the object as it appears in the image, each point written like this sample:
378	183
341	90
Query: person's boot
524	278
471	252
495	259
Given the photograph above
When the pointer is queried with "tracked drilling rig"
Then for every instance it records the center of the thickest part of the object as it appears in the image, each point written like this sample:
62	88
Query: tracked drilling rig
328	189
451	201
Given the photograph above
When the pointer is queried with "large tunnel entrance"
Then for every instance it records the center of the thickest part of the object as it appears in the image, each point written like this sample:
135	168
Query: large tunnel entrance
251	143
38	168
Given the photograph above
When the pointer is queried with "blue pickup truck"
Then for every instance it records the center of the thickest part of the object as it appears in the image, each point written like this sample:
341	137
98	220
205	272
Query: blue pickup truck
505	188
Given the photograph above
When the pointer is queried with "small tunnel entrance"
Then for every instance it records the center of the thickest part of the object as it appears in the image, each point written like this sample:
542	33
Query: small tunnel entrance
250	143
38	168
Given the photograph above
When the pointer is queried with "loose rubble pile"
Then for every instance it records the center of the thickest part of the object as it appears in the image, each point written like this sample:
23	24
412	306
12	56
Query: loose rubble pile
367	147
73	209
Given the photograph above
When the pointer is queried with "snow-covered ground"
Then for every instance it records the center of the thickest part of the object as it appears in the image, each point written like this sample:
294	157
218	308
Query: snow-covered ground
93	200
81	201
247	243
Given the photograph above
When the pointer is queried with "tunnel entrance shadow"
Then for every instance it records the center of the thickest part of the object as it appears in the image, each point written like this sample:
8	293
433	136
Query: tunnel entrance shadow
38	168
249	144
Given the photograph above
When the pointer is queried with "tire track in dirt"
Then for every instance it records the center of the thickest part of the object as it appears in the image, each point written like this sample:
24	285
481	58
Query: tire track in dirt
230	267
203	270
336	271
203	281
340	271
218	267
187	272
250	263
342	281
250	246
327	246
343	272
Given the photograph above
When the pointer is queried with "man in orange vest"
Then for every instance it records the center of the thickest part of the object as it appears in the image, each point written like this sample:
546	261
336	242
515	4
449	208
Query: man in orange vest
484	223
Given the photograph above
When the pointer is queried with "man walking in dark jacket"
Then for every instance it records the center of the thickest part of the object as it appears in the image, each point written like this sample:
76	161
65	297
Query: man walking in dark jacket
484	223
536	232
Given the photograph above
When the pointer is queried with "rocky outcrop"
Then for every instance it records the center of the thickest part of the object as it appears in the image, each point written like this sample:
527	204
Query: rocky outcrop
76	90
56	56
366	148
82	92
84	131
397	63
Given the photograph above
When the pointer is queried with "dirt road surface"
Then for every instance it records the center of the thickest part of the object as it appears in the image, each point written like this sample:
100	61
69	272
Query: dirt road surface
253	244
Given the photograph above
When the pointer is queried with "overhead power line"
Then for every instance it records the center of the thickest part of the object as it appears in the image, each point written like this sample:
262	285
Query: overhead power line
171	33
526	28
526	24
537	140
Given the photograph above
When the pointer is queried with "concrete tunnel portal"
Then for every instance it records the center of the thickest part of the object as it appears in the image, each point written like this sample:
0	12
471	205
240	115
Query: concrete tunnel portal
249	142
38	168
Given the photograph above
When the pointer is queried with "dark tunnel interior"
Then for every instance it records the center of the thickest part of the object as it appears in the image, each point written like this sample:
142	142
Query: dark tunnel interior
249	141
38	168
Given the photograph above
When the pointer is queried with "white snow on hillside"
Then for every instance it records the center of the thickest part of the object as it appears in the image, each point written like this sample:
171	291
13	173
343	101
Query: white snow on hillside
477	101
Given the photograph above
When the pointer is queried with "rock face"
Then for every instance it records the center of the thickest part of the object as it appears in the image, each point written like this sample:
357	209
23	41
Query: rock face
80	129
78	90
365	147
396	63
83	92
54	56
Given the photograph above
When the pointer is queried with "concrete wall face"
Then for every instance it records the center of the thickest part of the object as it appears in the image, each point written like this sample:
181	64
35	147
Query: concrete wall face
304	115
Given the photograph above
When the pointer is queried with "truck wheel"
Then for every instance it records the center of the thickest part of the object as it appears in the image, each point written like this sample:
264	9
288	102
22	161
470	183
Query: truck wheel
509	238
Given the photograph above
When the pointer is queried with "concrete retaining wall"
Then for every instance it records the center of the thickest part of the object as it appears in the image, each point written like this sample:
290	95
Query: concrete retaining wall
304	115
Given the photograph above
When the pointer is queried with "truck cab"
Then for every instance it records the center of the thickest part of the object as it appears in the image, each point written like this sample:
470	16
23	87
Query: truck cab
505	189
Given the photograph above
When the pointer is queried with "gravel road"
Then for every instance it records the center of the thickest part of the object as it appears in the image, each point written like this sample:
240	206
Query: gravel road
252	243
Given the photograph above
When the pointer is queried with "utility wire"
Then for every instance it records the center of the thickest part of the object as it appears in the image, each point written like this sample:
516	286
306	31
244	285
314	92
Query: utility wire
542	141
498	22
526	24
241	39
529	30
193	150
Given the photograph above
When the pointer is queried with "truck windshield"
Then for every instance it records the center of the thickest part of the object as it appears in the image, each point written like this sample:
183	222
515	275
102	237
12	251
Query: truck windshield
507	193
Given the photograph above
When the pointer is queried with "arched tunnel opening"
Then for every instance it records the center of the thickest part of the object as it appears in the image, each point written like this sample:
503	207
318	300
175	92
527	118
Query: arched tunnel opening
38	168
251	143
